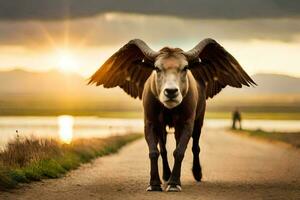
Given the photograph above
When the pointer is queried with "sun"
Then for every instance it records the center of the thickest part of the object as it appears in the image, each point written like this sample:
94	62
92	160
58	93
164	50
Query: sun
67	61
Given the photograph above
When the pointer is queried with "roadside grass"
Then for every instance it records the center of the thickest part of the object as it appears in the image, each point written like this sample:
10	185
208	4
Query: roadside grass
291	138
30	159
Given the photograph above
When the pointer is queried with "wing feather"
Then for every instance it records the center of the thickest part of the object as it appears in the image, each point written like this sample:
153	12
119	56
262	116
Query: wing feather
218	68
126	70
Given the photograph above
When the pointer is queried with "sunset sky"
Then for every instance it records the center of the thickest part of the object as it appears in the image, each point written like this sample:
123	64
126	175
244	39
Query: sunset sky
78	36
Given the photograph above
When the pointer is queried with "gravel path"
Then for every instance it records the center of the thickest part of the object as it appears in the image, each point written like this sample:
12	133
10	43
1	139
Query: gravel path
234	167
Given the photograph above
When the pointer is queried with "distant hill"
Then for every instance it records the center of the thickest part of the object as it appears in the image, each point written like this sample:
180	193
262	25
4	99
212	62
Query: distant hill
24	82
270	84
21	89
52	83
54	90
273	93
40	83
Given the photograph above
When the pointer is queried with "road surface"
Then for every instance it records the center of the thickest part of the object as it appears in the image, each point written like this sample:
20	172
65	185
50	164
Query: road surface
234	167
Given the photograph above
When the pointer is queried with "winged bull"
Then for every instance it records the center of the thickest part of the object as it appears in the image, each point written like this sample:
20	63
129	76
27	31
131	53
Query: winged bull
173	85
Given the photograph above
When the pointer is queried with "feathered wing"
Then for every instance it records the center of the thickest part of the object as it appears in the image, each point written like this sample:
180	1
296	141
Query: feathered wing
217	68
128	68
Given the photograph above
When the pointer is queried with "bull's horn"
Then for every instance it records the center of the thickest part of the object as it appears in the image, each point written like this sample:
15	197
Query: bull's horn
147	51
193	54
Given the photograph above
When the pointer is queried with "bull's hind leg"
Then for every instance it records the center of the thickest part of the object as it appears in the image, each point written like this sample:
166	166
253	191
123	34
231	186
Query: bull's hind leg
197	171
163	153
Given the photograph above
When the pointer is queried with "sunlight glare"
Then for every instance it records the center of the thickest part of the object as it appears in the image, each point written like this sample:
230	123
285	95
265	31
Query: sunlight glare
65	124
67	61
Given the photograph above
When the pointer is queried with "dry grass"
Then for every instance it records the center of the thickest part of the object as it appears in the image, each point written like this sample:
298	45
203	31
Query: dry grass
20	152
32	159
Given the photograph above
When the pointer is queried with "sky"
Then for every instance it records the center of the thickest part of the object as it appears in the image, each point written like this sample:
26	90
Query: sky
77	35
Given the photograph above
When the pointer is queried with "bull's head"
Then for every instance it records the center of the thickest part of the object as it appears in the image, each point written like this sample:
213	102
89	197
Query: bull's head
170	77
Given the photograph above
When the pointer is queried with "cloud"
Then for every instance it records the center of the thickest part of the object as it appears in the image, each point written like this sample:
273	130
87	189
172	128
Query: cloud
198	9
116	29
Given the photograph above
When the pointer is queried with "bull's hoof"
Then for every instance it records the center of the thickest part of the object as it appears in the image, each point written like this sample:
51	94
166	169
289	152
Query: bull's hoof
154	188
173	188
166	177
197	173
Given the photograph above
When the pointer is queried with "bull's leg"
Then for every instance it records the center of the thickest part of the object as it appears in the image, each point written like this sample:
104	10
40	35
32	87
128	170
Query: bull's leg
152	141
185	131
197	171
163	153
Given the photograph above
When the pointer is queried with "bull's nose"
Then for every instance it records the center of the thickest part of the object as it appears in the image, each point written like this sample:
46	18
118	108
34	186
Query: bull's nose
171	92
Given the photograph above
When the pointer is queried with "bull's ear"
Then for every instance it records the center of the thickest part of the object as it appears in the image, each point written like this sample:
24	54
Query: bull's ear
193	63
146	63
185	68
157	69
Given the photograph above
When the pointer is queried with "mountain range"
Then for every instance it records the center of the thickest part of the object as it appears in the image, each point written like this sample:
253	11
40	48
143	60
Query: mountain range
24	82
49	89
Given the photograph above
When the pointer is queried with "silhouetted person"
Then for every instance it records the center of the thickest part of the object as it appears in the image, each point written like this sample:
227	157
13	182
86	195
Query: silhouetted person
236	117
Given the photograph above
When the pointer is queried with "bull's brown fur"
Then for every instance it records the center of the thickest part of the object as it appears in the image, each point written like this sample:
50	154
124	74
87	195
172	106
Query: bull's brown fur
186	118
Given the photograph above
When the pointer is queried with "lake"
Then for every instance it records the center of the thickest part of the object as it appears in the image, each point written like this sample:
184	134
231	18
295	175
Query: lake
67	127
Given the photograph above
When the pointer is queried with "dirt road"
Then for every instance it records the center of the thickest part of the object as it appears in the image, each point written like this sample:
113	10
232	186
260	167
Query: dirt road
234	167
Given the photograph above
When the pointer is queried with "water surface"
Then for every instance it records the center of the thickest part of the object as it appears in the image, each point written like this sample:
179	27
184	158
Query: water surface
67	128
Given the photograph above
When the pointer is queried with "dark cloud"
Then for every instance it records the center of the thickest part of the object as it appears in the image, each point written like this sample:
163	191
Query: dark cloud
116	29
203	9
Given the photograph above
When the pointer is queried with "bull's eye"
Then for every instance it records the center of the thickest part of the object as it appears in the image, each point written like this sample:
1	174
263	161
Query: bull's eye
157	69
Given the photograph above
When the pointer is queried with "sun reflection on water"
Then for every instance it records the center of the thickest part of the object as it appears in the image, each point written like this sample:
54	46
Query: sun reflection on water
65	125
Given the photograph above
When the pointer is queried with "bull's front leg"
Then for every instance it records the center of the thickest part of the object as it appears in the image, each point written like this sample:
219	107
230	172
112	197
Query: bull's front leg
185	132
151	136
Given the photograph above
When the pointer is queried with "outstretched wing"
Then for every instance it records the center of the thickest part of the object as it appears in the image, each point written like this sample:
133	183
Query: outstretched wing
128	68
217	68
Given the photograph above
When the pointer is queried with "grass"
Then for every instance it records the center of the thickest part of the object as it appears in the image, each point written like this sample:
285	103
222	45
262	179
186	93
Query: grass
29	159
291	138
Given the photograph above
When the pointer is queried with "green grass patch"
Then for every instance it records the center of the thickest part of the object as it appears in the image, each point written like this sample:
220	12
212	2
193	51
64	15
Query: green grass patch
292	138
26	160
